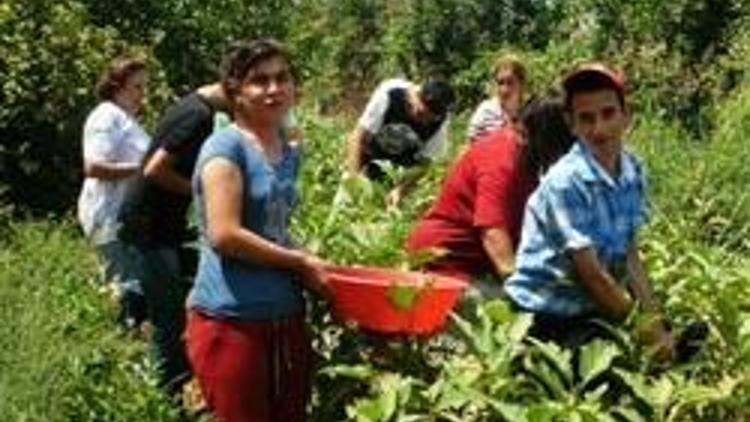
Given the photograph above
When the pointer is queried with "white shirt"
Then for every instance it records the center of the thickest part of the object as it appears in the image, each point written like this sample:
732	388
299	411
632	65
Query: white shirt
110	135
488	116
372	117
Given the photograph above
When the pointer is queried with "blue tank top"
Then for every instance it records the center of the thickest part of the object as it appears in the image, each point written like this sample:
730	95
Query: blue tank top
238	288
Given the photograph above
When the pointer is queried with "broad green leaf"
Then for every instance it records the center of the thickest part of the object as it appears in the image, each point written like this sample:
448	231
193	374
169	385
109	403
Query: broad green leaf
596	357
368	410
628	415
699	394
509	411
548	377
403	296
546	411
520	327
383	406
469	333
657	395
499	311
558	358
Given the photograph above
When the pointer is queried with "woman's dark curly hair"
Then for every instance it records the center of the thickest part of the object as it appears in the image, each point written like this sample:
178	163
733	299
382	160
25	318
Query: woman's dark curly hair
116	76
242	56
548	136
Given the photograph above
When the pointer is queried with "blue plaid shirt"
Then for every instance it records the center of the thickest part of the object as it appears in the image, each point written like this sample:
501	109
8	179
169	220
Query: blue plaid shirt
577	205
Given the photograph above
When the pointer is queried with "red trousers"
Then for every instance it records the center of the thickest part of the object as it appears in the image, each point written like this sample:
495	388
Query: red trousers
251	371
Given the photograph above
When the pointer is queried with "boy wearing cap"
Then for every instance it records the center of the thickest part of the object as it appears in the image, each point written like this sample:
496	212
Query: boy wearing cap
403	123
578	258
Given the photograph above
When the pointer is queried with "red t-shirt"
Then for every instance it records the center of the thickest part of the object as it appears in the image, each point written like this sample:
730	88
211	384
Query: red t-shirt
485	188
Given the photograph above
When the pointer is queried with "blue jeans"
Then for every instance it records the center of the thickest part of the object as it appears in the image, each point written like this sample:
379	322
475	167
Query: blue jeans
121	265
166	291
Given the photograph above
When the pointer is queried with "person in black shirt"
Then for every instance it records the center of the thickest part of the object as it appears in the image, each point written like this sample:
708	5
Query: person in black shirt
155	221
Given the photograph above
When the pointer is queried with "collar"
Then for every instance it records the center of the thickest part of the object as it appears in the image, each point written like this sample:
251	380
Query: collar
593	172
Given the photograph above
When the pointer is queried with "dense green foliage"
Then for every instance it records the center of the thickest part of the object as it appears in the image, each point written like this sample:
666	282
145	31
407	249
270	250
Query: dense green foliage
479	369
680	55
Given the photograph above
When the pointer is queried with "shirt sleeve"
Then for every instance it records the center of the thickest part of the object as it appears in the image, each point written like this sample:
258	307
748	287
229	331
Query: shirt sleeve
569	218
101	136
372	117
437	145
476	122
486	117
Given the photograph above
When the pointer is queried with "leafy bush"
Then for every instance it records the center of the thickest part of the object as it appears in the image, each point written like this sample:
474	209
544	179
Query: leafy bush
50	56
482	369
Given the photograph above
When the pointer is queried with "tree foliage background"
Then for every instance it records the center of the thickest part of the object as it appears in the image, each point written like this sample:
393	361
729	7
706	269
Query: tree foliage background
681	56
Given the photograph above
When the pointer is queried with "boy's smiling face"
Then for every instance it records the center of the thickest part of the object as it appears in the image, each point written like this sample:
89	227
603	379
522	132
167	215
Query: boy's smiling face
600	120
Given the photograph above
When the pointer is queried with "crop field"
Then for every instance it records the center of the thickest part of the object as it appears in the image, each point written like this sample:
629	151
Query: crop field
63	357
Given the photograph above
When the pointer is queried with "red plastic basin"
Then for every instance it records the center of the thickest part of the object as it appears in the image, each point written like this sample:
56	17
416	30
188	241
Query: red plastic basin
391	301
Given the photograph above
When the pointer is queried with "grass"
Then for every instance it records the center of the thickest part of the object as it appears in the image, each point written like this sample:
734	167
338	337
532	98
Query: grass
62	356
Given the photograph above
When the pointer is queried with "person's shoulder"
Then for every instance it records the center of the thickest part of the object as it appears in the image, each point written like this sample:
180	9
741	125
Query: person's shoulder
107	109
501	141
106	114
565	173
224	141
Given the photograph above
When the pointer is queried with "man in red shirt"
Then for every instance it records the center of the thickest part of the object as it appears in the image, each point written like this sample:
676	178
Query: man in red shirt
474	225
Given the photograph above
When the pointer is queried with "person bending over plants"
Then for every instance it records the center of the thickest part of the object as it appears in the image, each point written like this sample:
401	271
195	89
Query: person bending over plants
475	223
578	258
246	337
404	124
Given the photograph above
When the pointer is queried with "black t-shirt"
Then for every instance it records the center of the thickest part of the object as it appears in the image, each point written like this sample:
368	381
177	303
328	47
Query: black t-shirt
400	138
157	216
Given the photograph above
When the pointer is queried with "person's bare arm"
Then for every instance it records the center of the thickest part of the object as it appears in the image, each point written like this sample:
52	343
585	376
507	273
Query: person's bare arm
498	246
611	299
638	283
355	144
109	170
223	192
161	169
406	184
653	329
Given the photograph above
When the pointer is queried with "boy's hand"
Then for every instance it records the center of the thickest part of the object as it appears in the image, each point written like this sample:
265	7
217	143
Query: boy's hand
657	338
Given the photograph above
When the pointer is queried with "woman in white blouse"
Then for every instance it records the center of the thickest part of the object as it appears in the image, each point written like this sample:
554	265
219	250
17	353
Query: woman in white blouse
501	109
114	144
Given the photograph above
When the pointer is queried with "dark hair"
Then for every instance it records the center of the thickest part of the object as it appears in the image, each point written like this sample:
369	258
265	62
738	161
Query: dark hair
242	56
548	136
438	95
592	80
116	76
